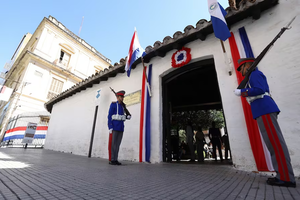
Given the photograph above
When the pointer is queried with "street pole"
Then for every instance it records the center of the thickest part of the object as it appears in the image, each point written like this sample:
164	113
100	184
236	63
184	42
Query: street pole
93	131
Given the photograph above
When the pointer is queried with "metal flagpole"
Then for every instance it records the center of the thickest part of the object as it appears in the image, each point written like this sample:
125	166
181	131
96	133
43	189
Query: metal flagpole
223	47
225	56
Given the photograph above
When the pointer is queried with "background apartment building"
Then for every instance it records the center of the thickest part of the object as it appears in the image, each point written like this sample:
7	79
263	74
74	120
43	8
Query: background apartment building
45	63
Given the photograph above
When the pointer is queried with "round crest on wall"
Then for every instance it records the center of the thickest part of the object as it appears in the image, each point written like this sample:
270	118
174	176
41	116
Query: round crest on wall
181	57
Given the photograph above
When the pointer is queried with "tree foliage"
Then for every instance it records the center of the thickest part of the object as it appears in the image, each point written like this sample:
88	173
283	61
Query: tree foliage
202	118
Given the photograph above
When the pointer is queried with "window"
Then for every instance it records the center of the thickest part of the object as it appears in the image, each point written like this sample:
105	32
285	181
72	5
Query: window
55	88
64	59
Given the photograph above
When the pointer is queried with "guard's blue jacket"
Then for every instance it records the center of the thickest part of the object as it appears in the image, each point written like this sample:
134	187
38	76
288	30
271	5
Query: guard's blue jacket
258	85
116	125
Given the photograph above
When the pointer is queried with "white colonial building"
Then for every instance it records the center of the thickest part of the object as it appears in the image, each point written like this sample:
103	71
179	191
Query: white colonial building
45	63
203	83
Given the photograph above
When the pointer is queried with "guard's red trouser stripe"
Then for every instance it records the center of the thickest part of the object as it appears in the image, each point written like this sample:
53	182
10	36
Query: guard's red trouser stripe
283	160
109	146
276	146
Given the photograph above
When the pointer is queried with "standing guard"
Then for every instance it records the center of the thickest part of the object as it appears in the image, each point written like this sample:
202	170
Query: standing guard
265	111
116	118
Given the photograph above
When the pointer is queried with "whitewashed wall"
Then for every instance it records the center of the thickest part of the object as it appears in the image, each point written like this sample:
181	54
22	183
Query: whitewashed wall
281	66
71	121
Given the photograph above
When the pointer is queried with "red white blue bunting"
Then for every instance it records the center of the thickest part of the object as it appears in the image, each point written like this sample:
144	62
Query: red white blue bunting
181	57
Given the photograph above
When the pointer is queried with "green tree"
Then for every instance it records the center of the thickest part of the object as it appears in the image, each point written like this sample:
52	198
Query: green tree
202	118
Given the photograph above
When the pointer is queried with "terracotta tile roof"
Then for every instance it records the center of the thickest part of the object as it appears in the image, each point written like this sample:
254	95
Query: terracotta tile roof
246	8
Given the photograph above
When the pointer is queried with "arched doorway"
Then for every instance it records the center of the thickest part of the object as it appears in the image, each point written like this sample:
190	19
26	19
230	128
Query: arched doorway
190	89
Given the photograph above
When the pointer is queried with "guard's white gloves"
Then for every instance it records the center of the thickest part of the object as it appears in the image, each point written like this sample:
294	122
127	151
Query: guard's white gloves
128	117
110	131
237	92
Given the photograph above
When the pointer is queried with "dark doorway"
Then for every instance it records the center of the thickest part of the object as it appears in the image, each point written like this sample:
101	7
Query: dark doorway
191	88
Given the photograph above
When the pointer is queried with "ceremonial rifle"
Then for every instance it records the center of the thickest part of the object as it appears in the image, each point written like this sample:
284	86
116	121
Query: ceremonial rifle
122	103
261	55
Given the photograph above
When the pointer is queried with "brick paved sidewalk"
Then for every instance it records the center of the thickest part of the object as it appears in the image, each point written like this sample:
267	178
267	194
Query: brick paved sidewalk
44	174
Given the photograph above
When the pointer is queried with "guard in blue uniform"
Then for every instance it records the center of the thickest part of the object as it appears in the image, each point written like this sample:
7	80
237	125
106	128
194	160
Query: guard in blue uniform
116	118
265	111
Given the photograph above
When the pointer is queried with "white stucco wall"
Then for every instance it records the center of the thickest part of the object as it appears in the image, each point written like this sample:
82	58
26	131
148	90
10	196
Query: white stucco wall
281	66
71	120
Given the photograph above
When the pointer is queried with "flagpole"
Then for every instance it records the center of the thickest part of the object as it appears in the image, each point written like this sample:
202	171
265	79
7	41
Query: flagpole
225	57
148	85
223	47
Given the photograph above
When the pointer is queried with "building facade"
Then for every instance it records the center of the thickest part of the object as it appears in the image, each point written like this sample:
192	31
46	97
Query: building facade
45	63
206	82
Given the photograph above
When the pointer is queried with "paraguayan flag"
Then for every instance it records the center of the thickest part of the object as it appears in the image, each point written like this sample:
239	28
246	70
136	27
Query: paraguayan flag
218	14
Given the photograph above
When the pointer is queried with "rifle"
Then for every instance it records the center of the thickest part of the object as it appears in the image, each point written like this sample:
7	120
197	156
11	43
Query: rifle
122	103
262	54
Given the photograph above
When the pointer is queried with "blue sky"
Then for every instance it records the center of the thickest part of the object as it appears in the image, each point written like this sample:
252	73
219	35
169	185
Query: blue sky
108	25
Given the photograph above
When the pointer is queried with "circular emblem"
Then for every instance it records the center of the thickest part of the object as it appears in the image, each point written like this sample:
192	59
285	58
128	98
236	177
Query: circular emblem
213	6
181	57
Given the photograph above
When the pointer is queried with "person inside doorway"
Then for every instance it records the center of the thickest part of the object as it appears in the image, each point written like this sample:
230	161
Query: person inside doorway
182	149
200	144
190	139
226	144
215	138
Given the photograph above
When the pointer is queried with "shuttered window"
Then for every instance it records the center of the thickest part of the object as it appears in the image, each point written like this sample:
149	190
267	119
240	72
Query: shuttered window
55	88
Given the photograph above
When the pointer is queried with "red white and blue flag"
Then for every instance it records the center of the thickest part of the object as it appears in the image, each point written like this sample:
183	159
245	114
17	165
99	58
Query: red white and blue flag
240	48
19	132
218	21
135	52
145	121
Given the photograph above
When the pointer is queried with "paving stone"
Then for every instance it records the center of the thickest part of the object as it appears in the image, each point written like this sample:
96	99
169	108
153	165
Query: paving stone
54	175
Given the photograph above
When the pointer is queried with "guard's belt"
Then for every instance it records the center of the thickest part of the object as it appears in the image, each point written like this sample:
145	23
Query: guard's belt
118	117
251	99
